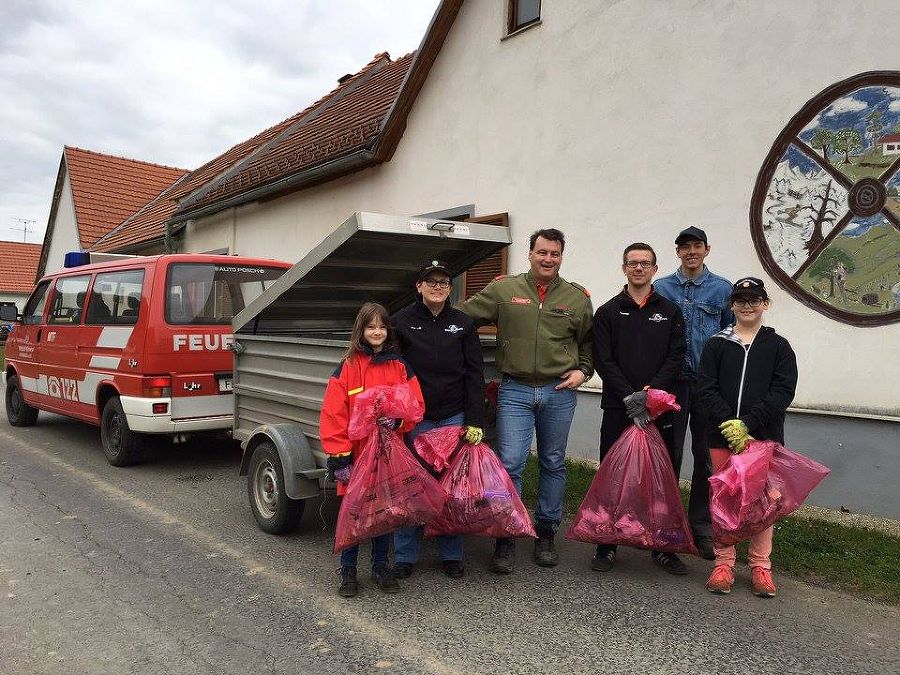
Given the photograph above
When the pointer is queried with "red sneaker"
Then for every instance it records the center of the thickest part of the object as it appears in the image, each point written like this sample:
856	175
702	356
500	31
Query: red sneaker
721	580
763	586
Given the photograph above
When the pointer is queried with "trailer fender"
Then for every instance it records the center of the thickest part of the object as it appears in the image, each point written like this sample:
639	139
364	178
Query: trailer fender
301	473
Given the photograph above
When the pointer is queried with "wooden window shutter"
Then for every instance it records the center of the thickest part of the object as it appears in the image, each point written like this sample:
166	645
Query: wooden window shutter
480	275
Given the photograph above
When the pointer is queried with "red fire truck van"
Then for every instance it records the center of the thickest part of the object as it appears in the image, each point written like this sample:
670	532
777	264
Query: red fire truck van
137	346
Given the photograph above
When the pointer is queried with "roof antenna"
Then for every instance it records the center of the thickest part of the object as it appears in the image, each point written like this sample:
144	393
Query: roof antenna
25	228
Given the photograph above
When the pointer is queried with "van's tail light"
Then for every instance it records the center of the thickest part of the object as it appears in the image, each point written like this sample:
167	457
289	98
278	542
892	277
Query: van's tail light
157	386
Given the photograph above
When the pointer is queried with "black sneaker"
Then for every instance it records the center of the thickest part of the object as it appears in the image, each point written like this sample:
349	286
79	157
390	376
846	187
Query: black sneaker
705	546
453	568
670	562
604	559
349	586
545	552
403	570
384	578
504	556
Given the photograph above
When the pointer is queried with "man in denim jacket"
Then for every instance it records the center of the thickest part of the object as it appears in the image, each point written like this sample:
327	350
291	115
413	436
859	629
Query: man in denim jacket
703	299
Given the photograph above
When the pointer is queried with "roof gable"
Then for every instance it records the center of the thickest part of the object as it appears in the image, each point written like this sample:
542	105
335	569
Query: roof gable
18	266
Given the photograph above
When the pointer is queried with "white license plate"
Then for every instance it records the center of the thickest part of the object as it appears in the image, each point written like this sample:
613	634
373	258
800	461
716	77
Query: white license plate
225	384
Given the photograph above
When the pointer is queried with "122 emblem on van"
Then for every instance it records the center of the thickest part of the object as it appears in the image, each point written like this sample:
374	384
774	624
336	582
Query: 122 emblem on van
62	387
202	342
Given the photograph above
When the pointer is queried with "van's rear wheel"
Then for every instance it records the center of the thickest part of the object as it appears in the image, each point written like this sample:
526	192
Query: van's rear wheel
121	445
275	512
19	413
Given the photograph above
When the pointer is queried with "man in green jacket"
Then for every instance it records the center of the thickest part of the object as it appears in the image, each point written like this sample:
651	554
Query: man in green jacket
544	354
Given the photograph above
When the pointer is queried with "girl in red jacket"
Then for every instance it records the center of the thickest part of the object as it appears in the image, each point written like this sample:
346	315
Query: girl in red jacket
370	360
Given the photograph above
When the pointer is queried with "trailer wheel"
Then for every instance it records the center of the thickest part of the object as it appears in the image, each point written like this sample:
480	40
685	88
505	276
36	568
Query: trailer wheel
121	445
275	512
19	413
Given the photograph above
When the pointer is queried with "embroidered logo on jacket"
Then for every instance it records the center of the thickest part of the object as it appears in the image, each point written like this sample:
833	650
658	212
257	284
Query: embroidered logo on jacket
520	301
453	328
657	318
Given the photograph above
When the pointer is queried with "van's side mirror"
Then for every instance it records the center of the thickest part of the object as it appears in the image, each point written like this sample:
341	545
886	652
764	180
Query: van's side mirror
9	313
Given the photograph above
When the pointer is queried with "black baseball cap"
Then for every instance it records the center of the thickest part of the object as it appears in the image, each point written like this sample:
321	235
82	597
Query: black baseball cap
434	266
690	234
748	286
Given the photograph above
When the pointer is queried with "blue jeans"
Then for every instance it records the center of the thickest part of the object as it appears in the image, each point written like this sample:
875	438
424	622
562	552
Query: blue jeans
408	540
380	547
522	410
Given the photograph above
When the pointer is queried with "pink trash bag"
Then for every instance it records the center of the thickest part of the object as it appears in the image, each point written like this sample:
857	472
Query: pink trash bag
395	401
757	487
436	446
634	499
483	500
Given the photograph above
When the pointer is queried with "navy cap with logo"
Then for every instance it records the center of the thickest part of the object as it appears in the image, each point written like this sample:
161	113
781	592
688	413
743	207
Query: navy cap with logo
691	234
432	266
749	287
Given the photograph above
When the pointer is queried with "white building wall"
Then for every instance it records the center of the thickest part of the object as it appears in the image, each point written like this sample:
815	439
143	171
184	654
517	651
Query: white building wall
65	230
618	122
18	298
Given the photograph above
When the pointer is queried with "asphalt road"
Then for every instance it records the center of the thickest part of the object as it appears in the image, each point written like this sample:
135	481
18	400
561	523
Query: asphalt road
160	569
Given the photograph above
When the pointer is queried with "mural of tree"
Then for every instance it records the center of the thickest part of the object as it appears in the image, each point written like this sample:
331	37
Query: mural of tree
824	214
874	127
847	140
827	263
823	140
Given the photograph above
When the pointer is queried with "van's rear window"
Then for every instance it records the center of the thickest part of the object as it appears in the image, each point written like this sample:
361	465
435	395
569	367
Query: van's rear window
206	293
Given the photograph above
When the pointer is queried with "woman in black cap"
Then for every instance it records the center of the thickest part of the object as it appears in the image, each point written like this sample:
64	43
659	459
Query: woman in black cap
748	375
442	346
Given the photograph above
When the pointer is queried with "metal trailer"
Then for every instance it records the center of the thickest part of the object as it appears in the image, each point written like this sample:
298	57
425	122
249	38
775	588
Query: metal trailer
289	340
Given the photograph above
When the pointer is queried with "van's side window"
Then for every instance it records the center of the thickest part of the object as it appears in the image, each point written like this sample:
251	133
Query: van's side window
116	298
34	308
68	300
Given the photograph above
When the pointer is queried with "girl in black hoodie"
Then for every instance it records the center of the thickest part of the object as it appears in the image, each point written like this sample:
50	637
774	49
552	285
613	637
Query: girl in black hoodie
748	376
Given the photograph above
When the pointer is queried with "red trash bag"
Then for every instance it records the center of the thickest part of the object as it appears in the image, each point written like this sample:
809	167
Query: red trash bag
659	402
483	500
388	489
436	446
758	487
396	401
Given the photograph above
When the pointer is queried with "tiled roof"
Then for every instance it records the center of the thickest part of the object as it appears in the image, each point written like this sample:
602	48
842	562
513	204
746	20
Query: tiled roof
346	120
108	189
149	223
891	138
18	266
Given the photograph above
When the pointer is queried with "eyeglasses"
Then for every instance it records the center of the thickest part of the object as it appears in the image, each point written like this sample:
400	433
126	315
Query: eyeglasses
747	302
643	264
431	283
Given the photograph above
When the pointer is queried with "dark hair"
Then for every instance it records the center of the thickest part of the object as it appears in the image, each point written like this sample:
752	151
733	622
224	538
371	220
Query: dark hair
550	234
367	313
638	246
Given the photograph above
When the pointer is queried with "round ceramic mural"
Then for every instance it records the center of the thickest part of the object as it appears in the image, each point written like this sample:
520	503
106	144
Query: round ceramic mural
825	214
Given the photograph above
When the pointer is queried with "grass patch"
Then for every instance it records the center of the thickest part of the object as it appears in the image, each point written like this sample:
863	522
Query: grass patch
859	561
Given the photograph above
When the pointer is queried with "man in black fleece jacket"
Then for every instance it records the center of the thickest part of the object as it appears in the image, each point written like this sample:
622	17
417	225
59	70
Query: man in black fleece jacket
638	344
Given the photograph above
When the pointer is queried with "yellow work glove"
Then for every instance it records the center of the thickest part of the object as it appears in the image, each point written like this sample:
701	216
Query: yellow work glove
474	435
736	433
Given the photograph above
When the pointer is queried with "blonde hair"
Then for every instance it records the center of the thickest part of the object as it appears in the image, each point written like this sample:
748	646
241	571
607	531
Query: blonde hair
368	313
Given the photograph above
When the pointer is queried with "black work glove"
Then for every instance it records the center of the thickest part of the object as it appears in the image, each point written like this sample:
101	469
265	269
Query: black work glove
636	408
338	468
389	422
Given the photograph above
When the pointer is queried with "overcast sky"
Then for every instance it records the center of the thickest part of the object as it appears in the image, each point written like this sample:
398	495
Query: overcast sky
169	81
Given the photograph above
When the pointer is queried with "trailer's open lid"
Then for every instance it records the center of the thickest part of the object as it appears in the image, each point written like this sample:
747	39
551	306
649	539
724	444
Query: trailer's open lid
371	257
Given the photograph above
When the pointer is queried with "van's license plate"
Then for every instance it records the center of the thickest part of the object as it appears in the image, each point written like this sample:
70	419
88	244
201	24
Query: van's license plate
224	384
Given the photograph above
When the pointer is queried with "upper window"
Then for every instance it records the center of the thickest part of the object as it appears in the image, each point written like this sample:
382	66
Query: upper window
68	300
207	293
34	308
521	13
825	214
115	298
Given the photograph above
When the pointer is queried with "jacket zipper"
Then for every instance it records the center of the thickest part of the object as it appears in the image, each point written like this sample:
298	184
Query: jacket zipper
743	373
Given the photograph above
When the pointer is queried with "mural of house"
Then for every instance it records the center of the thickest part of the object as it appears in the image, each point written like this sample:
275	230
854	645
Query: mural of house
94	193
614	122
18	268
890	144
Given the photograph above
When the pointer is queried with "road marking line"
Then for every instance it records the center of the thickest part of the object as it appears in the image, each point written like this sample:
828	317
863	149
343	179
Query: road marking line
389	640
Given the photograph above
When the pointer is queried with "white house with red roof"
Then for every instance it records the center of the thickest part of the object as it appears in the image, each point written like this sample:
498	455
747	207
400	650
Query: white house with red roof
18	268
890	144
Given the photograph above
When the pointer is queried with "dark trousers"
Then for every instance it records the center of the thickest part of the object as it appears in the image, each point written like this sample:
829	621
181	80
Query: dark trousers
698	506
614	422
